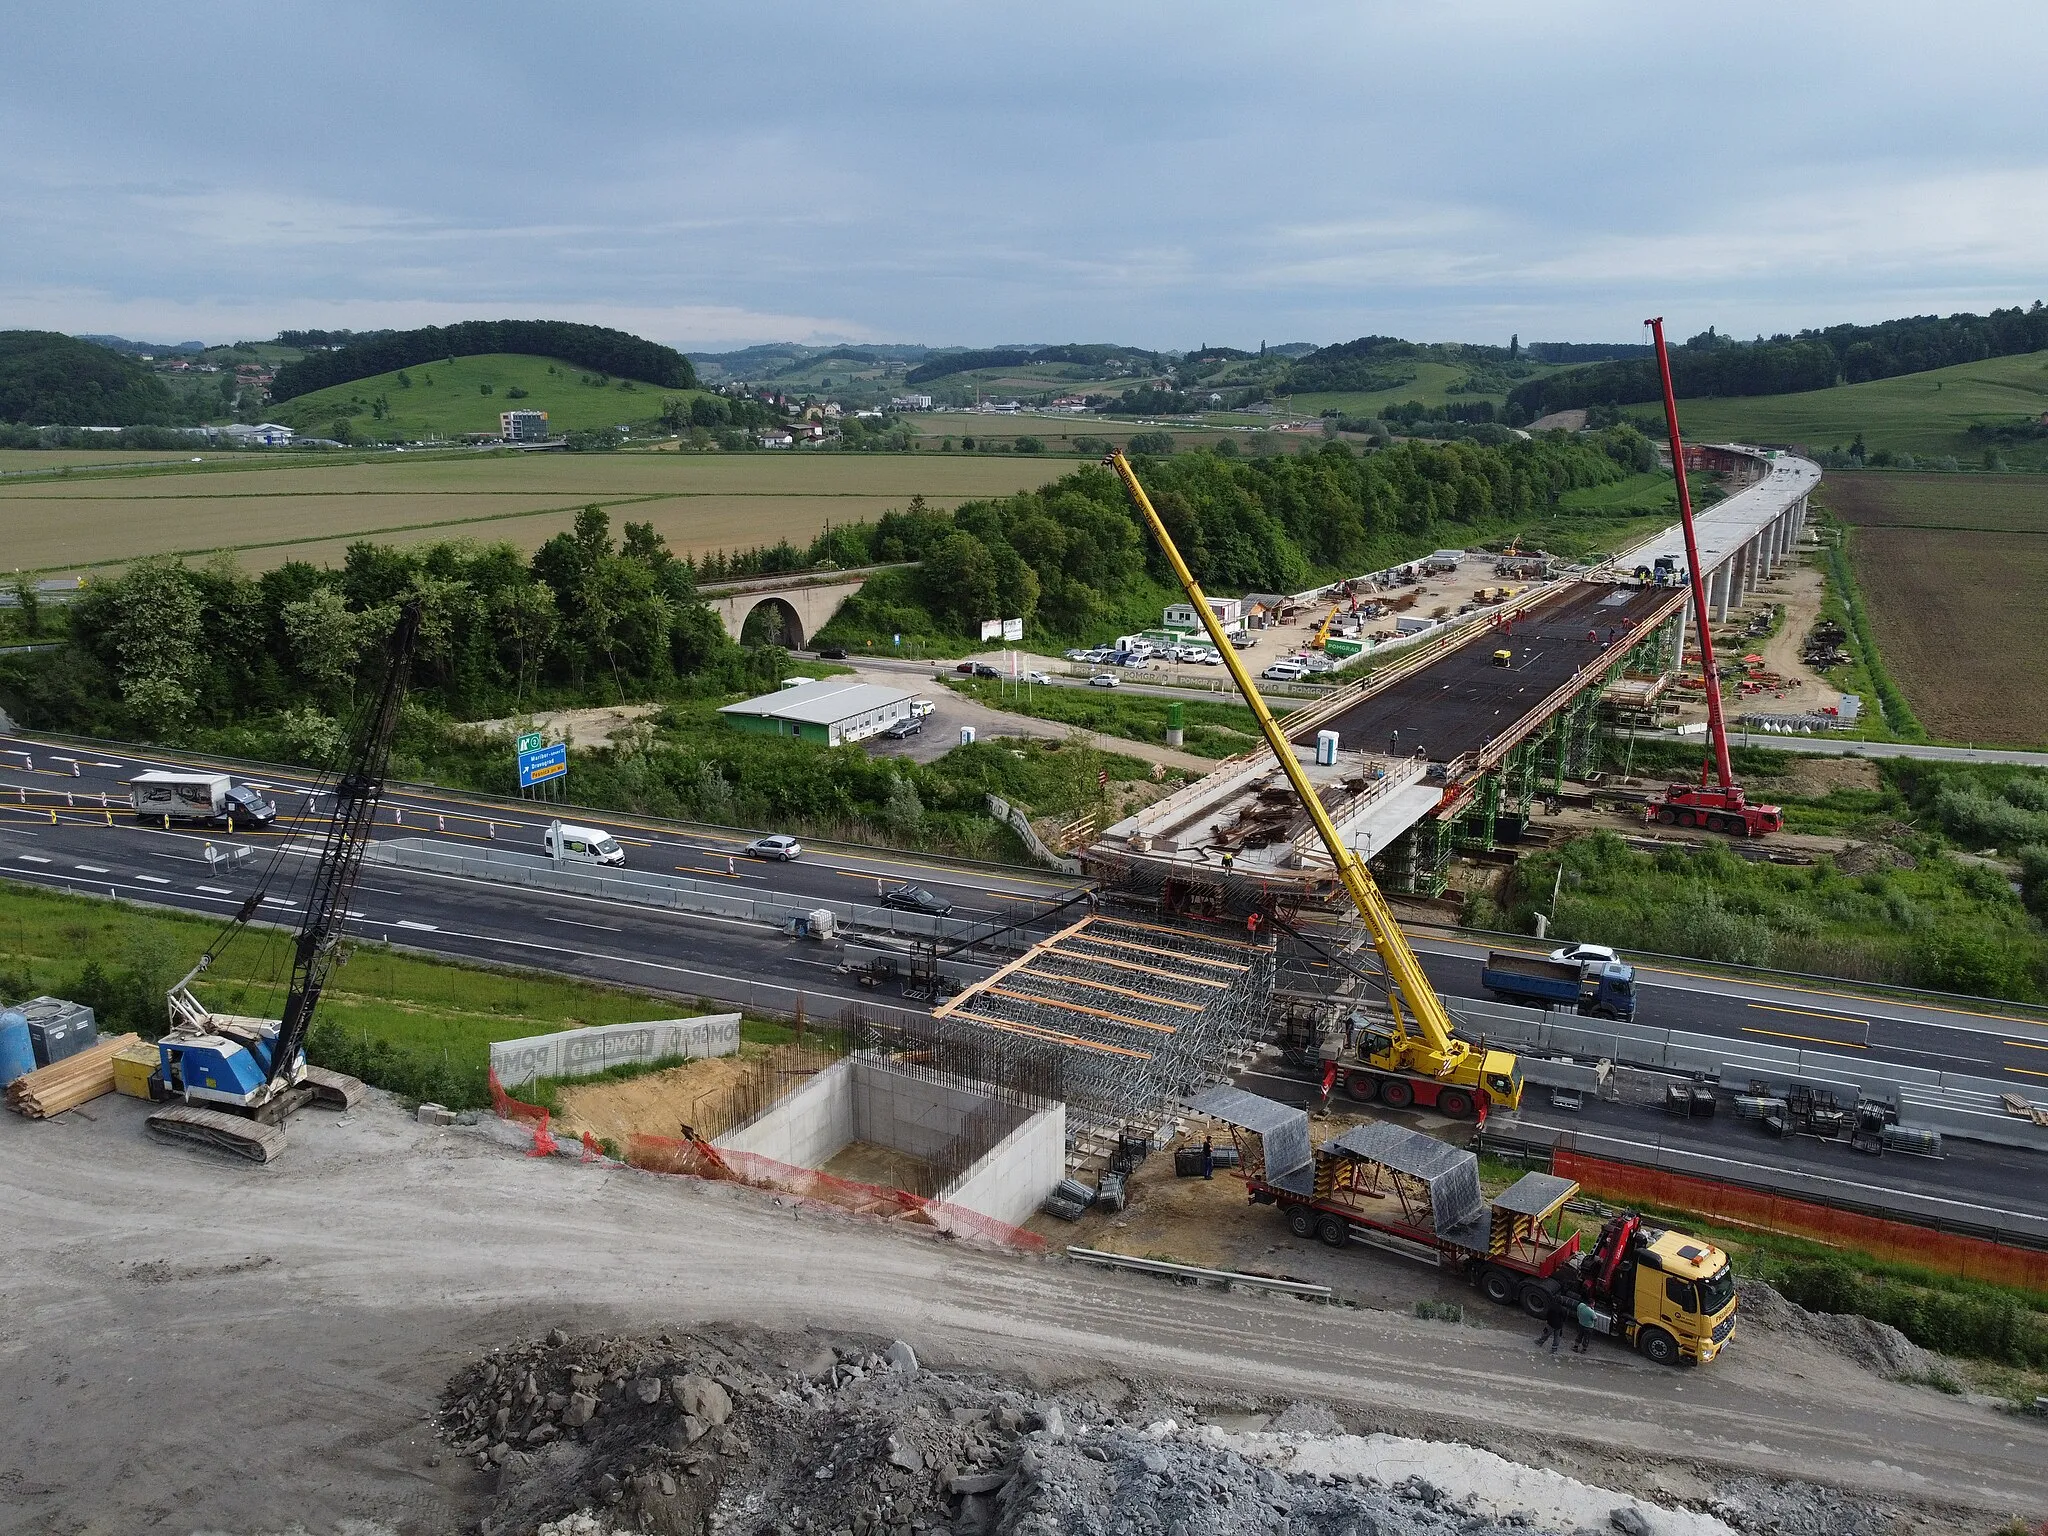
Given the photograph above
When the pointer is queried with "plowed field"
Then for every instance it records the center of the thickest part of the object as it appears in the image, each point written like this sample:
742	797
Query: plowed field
1955	570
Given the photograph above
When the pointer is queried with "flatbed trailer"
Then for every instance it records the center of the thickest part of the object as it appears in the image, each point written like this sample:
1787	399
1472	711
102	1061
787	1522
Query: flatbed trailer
1386	1185
1668	1295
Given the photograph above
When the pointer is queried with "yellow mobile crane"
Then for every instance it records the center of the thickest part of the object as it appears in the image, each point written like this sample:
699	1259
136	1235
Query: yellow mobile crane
1416	1059
1323	634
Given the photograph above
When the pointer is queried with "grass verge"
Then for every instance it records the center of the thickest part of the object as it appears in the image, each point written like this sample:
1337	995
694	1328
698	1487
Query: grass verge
418	1027
1898	714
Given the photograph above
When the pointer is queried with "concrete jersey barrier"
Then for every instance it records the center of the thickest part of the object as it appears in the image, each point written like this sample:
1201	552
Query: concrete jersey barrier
582	1052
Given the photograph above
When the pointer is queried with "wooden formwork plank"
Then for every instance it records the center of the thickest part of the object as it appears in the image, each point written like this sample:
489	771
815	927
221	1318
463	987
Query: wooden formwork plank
952	1003
1127	922
1132	965
1093	1013
1053	1035
1171	954
1110	986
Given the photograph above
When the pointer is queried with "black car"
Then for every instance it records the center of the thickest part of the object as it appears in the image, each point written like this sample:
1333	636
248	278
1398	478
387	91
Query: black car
833	653
904	729
983	669
915	898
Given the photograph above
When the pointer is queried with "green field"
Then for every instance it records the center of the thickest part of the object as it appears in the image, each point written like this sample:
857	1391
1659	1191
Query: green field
418	1027
1919	413
276	507
446	400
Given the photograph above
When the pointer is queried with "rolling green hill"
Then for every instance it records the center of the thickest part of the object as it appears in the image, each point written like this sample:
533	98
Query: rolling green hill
51	379
1925	414
448	399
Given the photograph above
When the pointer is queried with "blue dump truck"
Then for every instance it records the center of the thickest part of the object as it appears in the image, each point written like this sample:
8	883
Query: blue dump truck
1604	991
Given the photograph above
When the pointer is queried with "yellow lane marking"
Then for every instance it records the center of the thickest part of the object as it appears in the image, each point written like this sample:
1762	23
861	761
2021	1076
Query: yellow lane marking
1838	1018
1847	1045
2024	1071
2028	1045
691	869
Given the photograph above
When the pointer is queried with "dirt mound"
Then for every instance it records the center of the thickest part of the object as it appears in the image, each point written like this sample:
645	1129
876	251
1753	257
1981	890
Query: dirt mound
737	1430
1877	1347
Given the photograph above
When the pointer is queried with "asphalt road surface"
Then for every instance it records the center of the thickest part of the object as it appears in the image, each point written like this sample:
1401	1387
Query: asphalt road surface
98	853
1460	703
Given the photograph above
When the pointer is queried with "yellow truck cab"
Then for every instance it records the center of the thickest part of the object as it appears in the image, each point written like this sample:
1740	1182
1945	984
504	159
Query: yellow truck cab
1669	1294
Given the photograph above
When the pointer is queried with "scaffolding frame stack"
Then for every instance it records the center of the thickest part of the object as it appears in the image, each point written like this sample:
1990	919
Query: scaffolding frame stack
1140	1013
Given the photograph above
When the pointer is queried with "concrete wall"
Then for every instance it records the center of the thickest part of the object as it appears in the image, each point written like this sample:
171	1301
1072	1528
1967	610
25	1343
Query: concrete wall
581	1052
1018	1172
907	1113
806	1127
862	1099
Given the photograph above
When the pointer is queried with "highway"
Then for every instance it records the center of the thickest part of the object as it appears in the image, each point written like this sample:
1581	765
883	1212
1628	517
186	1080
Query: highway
110	853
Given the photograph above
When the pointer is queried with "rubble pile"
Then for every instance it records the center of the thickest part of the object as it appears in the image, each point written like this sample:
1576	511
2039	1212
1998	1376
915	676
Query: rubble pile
1877	1347
740	1431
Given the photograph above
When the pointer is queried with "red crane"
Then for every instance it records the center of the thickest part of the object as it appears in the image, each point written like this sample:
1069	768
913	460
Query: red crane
1721	807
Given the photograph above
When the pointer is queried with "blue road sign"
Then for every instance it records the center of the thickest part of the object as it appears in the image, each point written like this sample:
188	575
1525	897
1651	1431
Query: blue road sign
538	767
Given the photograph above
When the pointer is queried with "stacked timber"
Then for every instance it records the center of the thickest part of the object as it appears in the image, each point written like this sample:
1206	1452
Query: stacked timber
68	1083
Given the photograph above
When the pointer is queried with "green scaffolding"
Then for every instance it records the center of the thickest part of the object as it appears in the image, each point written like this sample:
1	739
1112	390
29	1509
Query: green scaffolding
1418	862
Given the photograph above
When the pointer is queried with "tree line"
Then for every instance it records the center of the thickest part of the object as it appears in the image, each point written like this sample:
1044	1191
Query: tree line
50	379
588	346
166	652
1071	557
1711	364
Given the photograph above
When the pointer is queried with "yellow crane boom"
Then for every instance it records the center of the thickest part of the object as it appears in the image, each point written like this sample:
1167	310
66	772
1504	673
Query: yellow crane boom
1436	1052
1323	633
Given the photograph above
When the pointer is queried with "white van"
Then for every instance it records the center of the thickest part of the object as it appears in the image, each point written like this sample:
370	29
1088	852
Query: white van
919	708
1284	672
582	845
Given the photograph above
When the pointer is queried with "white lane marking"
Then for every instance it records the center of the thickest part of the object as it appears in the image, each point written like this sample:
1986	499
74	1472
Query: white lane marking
406	922
97	869
32	858
278	901
572	923
355	914
154	879
211	890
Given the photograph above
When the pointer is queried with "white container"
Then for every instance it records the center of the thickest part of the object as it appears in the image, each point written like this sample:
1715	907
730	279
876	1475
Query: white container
1326	749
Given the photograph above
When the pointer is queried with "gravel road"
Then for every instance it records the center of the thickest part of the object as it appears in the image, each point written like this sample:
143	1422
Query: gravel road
190	1343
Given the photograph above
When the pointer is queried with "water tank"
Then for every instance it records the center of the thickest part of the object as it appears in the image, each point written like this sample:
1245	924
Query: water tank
17	1054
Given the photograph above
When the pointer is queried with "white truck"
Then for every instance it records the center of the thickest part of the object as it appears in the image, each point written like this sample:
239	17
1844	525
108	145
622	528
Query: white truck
582	845
212	798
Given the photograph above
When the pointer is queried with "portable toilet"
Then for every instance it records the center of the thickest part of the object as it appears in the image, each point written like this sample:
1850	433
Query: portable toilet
1326	749
966	735
17	1052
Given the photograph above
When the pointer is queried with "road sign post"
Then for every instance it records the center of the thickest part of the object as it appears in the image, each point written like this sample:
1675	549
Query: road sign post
547	765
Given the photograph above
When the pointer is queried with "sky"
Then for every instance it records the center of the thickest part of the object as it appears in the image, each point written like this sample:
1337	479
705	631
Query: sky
1159	175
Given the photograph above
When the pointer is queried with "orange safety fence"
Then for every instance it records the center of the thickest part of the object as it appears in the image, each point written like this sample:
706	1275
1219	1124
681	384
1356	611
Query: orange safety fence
1952	1253
509	1108
701	1160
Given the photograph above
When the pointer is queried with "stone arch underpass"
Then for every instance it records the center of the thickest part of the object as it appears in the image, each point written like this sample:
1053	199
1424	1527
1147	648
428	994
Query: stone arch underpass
803	607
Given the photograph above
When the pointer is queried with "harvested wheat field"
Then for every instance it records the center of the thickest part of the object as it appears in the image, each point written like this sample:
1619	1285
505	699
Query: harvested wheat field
1954	569
298	510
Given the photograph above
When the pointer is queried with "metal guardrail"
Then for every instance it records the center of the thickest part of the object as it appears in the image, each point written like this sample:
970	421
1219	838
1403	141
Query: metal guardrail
1953	1103
1172	1271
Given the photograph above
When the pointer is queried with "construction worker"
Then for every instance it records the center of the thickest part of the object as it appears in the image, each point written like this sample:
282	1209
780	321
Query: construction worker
1208	1158
1229	860
1553	1322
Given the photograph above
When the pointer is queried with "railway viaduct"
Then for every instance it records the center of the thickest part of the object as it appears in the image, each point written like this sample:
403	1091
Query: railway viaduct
802	602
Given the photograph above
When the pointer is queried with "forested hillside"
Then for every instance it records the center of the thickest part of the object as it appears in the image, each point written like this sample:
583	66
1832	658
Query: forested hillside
605	351
1711	365
49	379
1066	558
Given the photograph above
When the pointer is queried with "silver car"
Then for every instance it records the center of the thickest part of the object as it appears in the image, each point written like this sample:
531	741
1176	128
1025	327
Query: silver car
780	846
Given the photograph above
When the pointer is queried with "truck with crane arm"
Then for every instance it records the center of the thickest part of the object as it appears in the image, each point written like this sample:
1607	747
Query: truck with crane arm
1721	806
234	1080
1416	1058
1669	1295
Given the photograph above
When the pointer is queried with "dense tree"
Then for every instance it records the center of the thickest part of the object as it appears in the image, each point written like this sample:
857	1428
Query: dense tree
51	379
587	346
